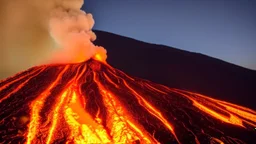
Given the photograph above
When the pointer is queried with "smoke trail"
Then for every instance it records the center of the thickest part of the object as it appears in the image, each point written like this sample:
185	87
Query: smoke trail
25	40
71	29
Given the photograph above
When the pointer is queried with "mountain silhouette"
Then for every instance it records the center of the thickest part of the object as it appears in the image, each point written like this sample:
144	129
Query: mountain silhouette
180	69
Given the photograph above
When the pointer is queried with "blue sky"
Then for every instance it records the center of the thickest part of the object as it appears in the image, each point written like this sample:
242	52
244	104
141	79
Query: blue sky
225	29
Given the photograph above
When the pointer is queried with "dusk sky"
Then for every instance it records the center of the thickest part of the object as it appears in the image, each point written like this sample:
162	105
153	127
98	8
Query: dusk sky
224	29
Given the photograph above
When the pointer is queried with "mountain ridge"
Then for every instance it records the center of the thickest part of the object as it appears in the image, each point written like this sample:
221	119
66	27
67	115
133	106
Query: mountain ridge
180	69
175	48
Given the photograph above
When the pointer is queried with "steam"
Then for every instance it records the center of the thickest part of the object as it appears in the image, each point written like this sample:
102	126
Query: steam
71	28
35	32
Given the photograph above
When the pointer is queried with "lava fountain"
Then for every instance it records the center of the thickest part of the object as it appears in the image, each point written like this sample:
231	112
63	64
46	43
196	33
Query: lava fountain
92	102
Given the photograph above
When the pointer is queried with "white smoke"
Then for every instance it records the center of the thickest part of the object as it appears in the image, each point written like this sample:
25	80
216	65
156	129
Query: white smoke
30	30
71	29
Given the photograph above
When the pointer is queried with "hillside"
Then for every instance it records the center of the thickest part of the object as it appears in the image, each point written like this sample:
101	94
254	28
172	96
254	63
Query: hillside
180	69
92	102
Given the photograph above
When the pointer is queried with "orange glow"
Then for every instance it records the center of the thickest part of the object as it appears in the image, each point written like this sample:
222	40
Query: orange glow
217	140
55	117
109	80
120	119
31	75
152	110
83	127
91	107
237	114
79	58
98	57
233	120
36	106
155	89
101	54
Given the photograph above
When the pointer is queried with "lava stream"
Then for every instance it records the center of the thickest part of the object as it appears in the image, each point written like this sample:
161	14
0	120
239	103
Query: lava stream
92	102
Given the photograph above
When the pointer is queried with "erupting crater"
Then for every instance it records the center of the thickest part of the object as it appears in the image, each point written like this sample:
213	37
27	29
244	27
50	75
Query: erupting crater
92	102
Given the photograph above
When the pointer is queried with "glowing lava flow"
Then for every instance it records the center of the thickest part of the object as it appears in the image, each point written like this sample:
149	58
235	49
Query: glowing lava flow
92	102
234	115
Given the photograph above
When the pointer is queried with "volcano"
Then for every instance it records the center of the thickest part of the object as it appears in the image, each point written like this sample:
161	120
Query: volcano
180	69
92	102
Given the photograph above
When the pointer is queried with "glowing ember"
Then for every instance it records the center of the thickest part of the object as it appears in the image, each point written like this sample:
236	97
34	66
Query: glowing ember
94	103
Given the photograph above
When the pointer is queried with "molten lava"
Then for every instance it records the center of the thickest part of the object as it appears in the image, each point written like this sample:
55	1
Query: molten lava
91	102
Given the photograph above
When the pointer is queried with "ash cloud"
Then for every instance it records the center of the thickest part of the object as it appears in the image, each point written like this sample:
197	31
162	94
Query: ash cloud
71	27
44	31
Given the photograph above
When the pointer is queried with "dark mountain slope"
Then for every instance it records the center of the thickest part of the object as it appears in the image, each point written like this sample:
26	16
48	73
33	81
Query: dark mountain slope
92	102
180	69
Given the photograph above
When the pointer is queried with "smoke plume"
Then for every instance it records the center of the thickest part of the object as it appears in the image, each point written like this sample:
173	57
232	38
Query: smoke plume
71	29
34	32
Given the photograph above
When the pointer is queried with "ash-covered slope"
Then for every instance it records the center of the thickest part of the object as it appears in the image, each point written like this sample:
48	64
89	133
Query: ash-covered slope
94	103
180	69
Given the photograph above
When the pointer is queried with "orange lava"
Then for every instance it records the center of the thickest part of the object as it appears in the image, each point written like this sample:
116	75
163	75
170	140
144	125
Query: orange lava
101	54
121	120
123	128
36	106
69	116
238	115
83	128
